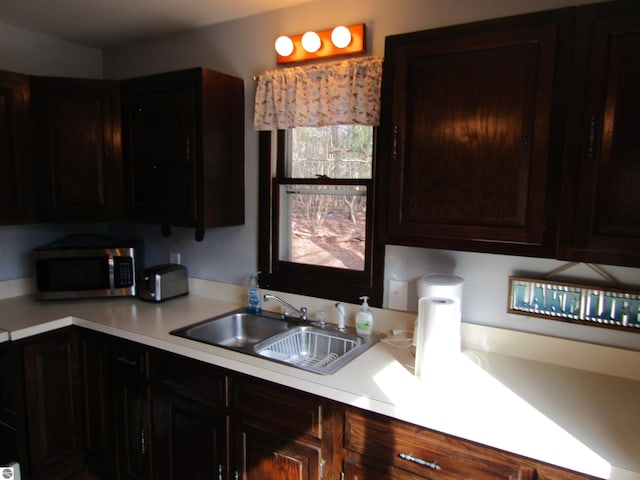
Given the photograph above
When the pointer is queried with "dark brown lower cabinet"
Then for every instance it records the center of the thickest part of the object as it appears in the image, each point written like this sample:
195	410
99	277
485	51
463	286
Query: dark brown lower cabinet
382	448
280	433
8	437
190	419
132	389
98	404
191	440
53	416
151	414
267	453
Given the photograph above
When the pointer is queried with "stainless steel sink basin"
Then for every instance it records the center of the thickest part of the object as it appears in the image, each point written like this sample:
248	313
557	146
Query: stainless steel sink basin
318	349
236	330
314	349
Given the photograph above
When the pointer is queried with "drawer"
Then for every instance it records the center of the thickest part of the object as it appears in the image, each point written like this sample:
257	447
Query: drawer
193	380
130	361
383	441
296	411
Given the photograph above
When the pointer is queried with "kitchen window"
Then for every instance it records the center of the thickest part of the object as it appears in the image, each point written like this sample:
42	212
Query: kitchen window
317	128
316	227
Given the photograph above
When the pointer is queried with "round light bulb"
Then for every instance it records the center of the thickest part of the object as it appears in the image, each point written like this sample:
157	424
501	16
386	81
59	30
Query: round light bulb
341	37
284	46
311	42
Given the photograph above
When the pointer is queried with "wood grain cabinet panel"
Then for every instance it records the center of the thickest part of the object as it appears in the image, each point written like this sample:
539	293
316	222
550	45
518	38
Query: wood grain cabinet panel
602	218
382	448
424	453
282	433
54	414
191	420
466	136
15	187
79	161
266	454
184	149
132	398
99	415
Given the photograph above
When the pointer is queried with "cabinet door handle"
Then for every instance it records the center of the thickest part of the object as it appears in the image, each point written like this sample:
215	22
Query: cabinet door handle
592	136
394	151
143	442
127	361
188	150
220	472
420	461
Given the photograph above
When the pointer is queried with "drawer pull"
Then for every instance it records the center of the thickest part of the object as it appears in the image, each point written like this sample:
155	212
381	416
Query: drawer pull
419	461
127	361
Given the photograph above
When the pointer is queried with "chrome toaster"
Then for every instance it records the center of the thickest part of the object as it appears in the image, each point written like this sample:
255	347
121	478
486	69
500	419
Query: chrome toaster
163	282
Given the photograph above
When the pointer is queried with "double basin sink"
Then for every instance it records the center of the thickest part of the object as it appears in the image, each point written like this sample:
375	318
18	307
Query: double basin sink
314	347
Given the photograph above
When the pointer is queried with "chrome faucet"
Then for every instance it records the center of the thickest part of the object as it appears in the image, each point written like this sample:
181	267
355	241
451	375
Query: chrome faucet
302	311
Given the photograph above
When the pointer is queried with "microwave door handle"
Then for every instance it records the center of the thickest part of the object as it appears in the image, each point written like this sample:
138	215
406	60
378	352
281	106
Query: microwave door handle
112	276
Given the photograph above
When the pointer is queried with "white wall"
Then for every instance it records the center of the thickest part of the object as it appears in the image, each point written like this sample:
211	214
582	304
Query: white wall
35	54
243	48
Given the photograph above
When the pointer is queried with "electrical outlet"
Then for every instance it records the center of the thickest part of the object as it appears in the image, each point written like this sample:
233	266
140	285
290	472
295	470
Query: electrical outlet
174	258
398	292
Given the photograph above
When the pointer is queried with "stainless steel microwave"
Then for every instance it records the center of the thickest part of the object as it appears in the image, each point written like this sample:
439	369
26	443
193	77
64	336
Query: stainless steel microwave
85	267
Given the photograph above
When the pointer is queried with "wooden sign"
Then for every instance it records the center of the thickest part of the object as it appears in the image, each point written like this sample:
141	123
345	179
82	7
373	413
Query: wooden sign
584	304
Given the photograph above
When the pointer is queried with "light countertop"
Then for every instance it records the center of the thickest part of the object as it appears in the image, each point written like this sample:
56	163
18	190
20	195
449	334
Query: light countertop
570	417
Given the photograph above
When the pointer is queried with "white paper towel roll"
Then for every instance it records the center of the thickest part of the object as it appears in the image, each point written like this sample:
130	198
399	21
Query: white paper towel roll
438	337
442	286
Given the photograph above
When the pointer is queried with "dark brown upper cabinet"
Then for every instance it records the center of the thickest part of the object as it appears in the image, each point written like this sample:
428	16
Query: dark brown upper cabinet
77	140
515	136
601	223
15	191
468	158
184	149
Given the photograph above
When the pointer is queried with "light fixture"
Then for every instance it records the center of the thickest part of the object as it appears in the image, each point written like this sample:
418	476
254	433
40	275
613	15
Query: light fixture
284	46
311	42
341	40
341	36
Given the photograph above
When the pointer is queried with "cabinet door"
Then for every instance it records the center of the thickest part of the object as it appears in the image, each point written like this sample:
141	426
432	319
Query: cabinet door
184	149
602	224
14	141
466	136
161	150
262	454
133	431
98	403
280	433
356	471
8	437
190	439
134	434
79	161
54	414
190	420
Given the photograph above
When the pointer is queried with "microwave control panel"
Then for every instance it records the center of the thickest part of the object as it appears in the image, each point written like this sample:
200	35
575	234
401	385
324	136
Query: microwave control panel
123	272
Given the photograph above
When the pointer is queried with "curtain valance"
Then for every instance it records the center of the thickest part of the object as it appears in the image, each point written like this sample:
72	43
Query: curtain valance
345	92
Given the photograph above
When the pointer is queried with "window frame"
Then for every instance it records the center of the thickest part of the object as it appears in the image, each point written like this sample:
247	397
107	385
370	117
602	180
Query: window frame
311	280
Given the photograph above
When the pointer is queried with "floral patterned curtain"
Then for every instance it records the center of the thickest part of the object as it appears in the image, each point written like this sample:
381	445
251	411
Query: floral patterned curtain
337	93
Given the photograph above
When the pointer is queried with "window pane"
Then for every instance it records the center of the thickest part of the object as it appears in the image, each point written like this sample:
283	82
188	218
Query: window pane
337	151
323	225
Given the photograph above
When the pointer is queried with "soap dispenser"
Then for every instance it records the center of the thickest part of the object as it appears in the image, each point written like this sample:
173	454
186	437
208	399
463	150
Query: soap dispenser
253	295
364	318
